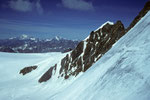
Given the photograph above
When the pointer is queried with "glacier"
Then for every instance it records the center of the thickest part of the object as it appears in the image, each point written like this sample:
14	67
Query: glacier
14	86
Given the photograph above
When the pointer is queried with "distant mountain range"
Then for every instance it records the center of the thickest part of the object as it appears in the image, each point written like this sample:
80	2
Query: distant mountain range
26	44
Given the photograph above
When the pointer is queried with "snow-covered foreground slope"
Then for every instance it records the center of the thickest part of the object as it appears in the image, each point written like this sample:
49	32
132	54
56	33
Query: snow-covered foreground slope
14	86
123	73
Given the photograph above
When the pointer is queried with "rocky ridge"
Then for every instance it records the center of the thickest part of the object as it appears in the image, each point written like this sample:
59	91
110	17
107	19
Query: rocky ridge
91	49
141	14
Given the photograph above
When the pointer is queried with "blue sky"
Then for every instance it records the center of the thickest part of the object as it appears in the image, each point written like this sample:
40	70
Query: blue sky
72	19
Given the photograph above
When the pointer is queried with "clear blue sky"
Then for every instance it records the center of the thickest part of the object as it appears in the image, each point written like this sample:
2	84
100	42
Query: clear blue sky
72	19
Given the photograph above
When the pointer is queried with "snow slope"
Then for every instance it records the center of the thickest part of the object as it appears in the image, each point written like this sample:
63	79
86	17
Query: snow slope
123	73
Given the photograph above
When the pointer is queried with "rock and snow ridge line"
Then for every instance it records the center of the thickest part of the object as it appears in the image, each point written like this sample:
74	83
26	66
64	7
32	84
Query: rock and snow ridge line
25	36
108	22
89	50
141	14
123	73
80	59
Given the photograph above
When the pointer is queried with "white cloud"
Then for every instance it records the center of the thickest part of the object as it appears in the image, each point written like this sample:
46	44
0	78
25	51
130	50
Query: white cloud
21	5
39	7
78	4
25	6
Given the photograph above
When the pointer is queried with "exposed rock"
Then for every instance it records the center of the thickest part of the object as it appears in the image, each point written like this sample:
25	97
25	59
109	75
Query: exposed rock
27	69
7	49
140	15
48	74
67	50
98	43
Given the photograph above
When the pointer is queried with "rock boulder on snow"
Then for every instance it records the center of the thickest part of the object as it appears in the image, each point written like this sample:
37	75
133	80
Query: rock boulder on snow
27	69
46	76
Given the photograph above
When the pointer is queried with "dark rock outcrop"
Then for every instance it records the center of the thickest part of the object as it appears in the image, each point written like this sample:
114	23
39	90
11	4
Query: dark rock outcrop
7	49
48	74
67	50
27	69
90	50
141	14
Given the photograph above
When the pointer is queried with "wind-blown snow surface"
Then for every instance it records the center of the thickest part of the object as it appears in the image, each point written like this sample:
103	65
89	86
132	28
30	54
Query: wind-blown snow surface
123	73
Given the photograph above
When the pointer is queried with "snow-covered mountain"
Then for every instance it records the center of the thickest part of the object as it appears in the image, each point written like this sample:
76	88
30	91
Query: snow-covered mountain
122	73
26	44
87	51
92	48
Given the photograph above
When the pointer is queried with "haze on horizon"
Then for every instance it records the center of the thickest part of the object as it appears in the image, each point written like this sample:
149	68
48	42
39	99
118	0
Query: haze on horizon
72	19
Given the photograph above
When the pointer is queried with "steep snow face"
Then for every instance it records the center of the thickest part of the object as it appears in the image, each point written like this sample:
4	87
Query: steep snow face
123	73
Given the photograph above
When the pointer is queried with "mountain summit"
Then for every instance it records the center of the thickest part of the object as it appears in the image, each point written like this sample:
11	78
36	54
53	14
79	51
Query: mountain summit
24	36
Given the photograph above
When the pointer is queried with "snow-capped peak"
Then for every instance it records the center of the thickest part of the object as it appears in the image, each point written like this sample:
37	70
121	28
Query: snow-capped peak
57	38
24	36
32	38
108	22
48	40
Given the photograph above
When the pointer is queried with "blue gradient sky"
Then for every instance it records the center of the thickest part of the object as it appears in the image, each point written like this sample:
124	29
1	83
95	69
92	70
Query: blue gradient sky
72	19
